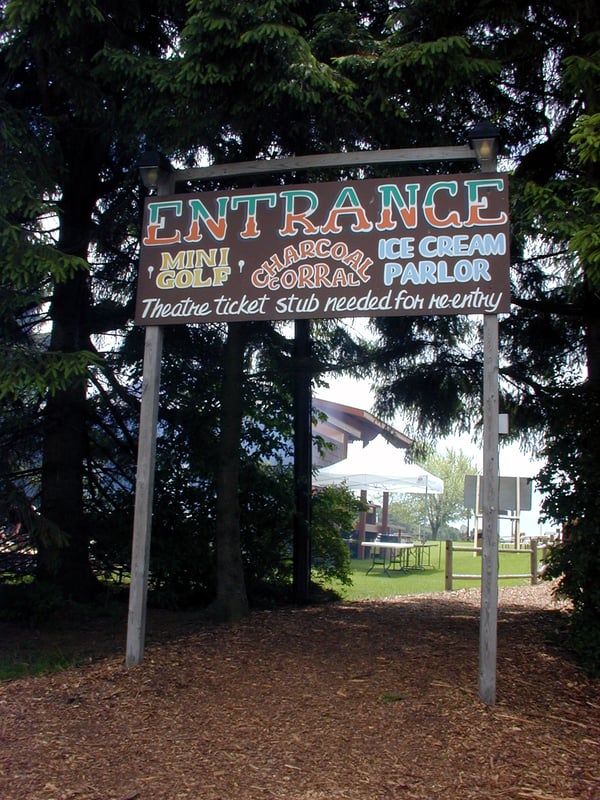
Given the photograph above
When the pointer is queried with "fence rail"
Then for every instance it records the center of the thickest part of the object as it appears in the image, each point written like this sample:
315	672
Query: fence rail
537	554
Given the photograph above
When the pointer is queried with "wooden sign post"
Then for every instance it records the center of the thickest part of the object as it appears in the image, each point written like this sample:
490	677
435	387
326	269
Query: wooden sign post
144	481
428	245
488	630
490	490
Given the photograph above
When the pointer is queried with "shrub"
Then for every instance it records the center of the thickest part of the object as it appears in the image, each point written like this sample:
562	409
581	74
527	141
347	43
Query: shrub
571	480
575	564
334	512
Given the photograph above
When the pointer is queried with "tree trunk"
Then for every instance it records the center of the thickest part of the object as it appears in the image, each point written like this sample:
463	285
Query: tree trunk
63	557
231	601
62	544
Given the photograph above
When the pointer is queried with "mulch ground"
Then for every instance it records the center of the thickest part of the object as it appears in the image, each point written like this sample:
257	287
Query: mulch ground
358	701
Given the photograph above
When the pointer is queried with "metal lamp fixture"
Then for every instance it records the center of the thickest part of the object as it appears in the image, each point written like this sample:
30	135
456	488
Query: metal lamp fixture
150	165
484	138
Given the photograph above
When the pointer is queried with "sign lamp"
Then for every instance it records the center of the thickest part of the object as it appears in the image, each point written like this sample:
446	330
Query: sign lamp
484	138
150	165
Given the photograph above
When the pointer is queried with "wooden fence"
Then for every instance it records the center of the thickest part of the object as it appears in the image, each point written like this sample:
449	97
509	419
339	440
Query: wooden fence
537	554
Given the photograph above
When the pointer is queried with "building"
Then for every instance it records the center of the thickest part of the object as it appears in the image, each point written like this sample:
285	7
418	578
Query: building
338	425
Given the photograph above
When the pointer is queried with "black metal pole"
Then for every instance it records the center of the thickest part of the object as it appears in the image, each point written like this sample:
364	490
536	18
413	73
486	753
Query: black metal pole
302	461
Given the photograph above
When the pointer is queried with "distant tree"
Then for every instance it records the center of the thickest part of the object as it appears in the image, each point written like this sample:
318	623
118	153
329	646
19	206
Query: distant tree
442	509
433	510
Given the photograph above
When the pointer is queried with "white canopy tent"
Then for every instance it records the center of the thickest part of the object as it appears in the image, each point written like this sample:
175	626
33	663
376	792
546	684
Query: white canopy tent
379	465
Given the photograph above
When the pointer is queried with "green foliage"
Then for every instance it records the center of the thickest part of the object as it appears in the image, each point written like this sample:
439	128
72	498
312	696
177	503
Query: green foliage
585	239
586	138
19	15
575	564
451	467
334	513
266	501
75	112
258	68
267	524
450	54
30	266
30	372
572	482
182	561
582	67
563	213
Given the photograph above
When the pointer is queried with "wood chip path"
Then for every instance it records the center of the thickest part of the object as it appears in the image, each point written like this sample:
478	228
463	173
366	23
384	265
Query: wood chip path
348	701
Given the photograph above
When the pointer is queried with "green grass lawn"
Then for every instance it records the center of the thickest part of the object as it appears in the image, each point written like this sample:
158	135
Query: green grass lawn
430	579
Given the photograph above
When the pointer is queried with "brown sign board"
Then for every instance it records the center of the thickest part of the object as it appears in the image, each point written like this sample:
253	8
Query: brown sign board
412	246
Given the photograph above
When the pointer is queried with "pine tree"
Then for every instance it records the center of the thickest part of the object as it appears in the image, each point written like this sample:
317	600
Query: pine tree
80	97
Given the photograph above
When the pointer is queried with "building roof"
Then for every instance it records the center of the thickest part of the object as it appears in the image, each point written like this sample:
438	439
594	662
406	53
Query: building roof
344	424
